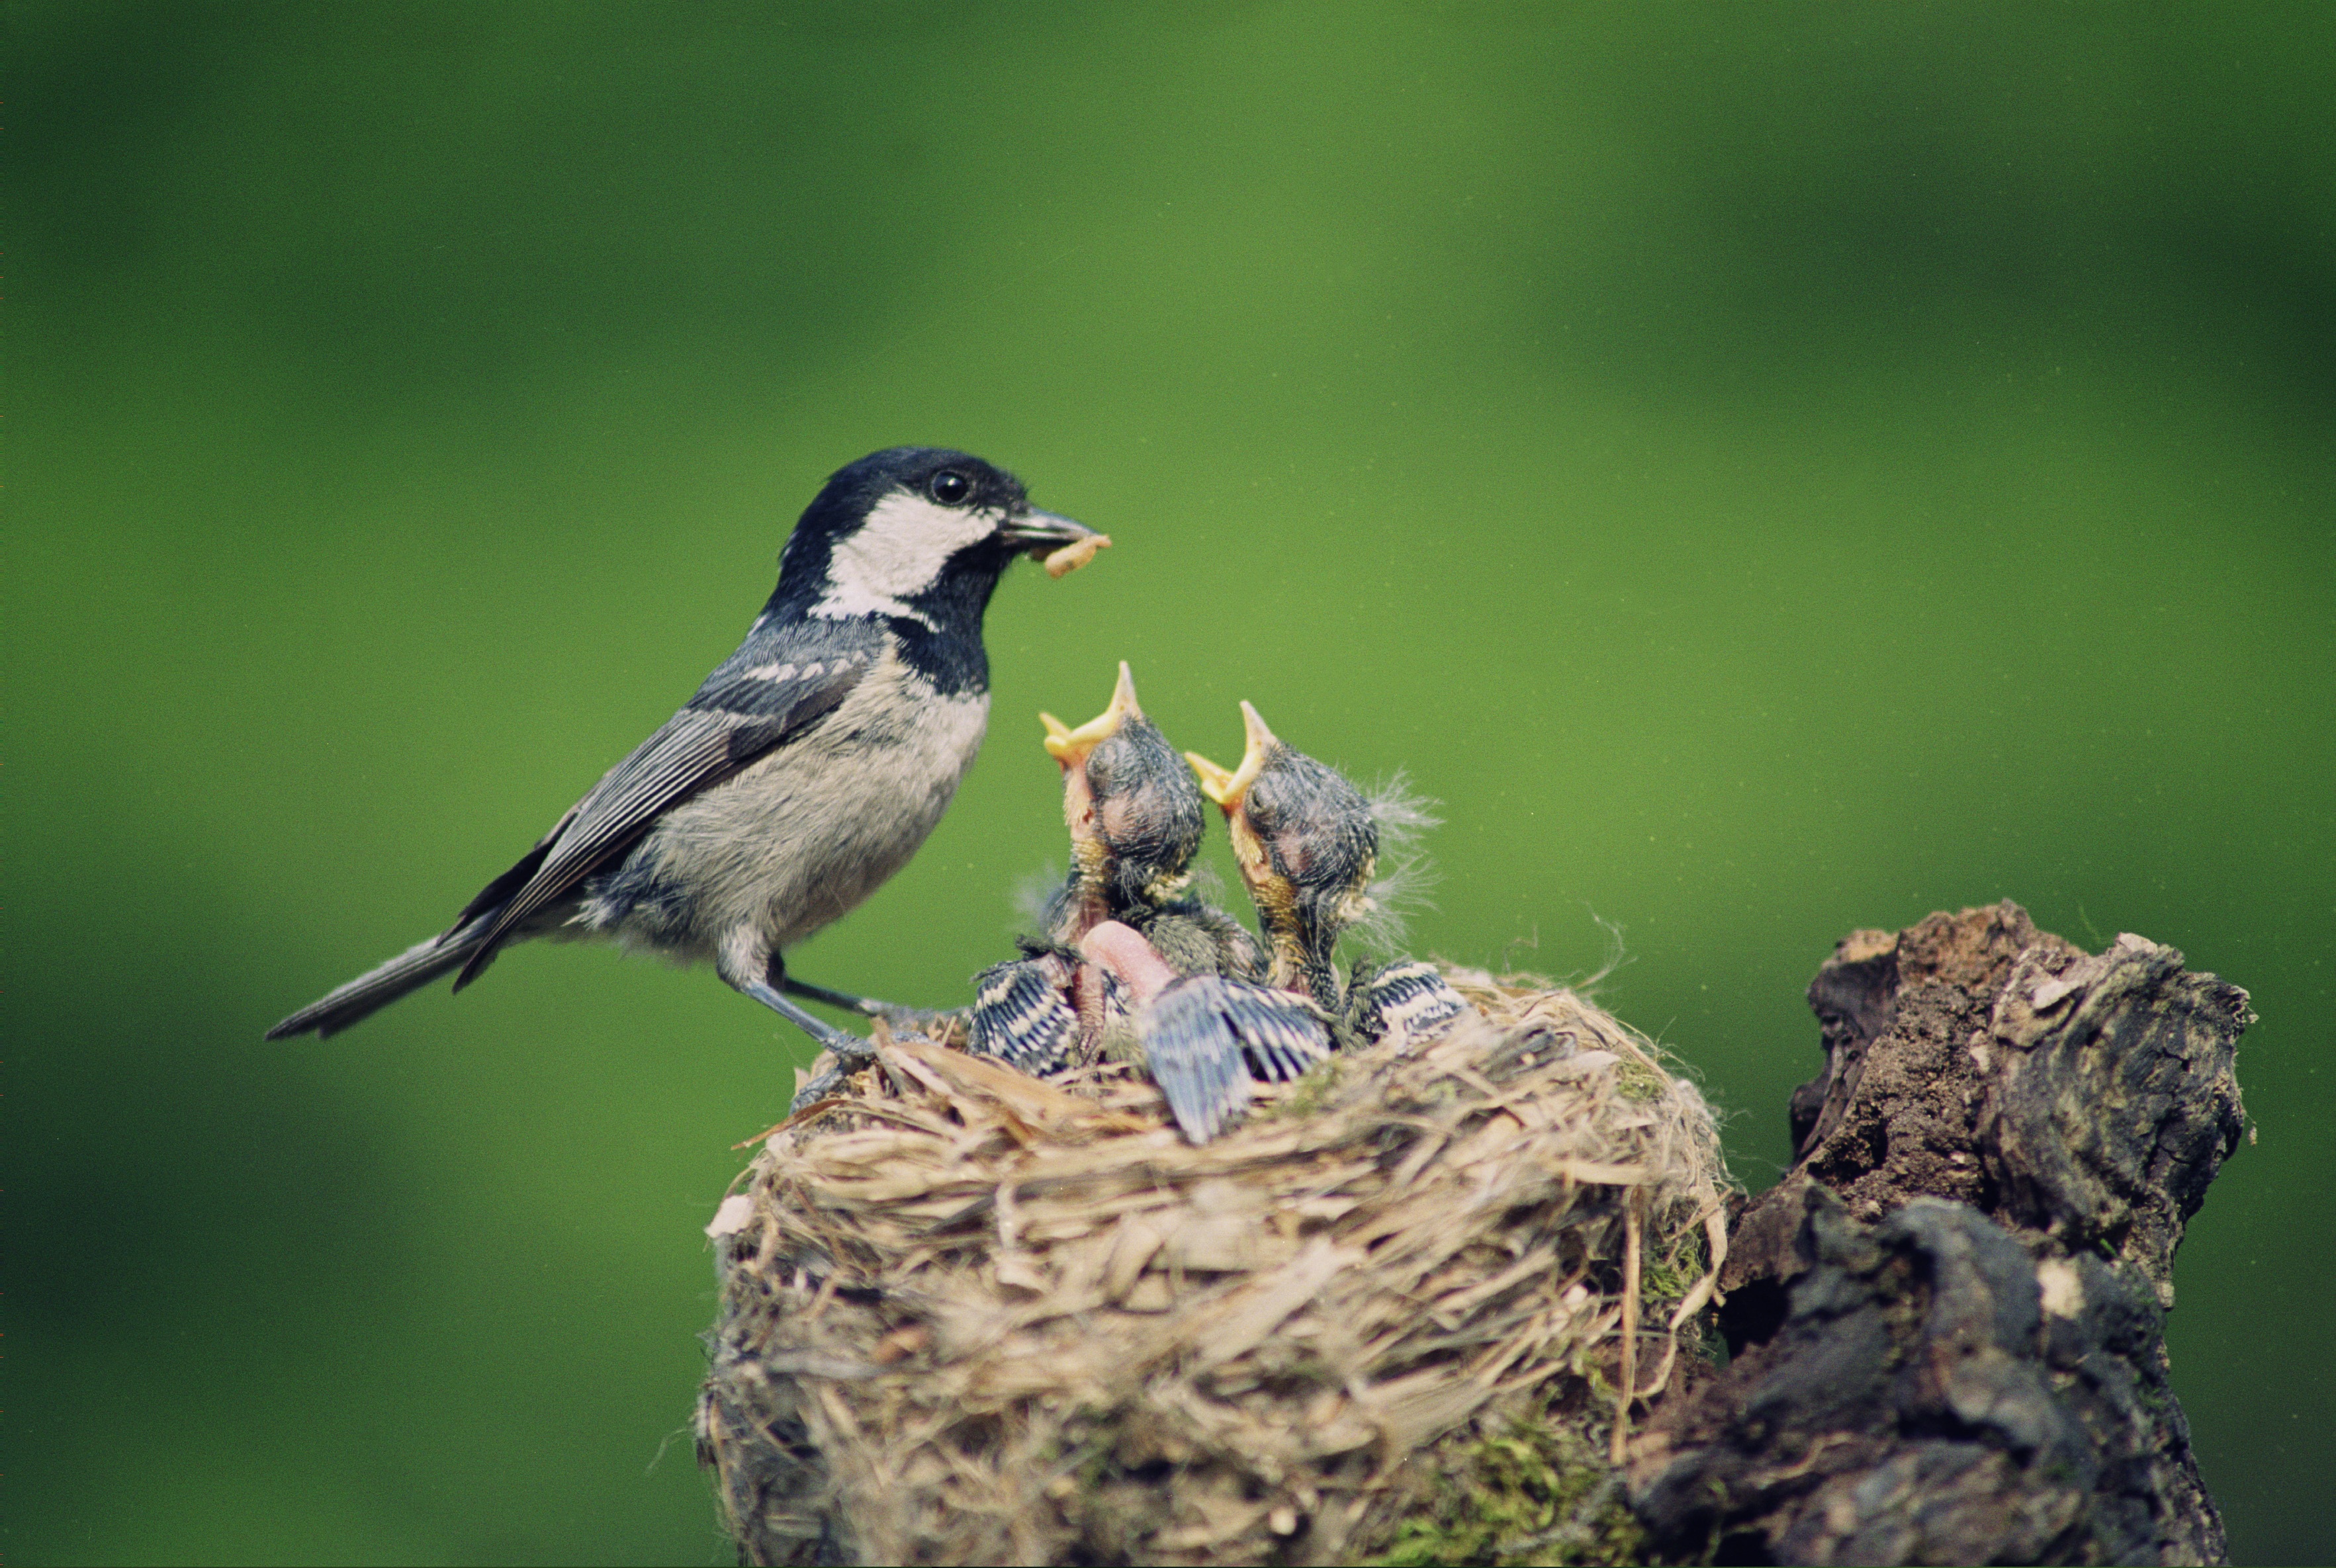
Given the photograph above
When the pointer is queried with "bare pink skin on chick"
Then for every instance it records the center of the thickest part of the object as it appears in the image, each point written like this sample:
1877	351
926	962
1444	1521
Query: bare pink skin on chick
1124	952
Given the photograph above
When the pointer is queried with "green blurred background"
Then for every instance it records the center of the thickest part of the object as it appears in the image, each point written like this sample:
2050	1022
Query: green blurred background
1766	470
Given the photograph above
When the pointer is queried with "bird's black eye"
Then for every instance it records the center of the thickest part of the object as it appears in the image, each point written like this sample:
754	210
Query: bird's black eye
949	487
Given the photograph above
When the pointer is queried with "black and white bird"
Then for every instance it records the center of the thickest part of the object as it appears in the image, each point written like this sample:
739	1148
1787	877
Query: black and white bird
808	768
1307	844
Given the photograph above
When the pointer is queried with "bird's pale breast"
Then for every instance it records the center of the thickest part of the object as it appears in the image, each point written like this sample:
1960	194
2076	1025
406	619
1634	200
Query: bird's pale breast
801	836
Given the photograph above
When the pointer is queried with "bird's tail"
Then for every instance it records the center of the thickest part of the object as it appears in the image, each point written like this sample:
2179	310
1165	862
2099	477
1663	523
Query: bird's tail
374	989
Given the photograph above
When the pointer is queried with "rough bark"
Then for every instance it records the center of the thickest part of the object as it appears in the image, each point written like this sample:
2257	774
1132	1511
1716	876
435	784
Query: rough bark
1945	1322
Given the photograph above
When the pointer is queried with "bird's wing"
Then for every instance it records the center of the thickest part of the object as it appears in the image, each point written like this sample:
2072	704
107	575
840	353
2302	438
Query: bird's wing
1208	1038
1408	998
498	893
1196	1057
1019	1015
743	710
1280	1032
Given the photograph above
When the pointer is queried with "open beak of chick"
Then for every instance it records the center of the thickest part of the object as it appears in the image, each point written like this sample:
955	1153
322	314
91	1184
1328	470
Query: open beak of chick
1071	748
1230	788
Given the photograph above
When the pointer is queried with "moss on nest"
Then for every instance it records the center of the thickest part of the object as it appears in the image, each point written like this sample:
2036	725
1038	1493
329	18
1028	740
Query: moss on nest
1538	1490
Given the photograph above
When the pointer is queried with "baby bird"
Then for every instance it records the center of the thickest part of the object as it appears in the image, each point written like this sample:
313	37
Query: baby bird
1307	844
1134	815
1128	949
1135	820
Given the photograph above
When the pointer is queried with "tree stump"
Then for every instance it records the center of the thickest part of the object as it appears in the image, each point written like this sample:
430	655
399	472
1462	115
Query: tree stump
1944	1324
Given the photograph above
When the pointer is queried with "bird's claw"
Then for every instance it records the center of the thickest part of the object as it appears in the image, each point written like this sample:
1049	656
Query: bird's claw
850	1055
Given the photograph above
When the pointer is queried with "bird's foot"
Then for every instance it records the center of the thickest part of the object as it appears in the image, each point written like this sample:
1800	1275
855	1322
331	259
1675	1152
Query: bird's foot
829	1083
854	1055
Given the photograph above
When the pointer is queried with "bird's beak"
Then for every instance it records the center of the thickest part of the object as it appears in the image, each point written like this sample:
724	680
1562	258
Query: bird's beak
1229	789
1070	746
1064	545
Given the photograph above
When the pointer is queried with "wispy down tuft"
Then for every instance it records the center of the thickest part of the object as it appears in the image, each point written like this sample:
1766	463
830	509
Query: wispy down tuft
1400	889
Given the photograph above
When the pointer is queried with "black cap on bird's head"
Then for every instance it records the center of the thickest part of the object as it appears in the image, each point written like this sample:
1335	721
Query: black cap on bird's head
1306	839
1135	815
920	532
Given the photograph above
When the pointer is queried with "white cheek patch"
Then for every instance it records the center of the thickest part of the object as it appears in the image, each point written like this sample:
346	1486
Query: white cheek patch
898	552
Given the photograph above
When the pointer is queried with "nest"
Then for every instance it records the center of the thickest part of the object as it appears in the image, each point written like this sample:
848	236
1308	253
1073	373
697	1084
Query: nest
968	1316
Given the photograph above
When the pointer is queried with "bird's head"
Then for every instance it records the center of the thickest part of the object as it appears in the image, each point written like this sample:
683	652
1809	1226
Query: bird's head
922	533
1135	813
1305	838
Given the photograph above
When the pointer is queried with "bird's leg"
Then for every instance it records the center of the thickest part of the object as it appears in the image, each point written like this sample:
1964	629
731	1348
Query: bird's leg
750	969
829	1037
892	1013
850	1052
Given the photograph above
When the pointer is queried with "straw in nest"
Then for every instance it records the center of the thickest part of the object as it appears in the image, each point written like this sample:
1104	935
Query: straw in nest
970	1317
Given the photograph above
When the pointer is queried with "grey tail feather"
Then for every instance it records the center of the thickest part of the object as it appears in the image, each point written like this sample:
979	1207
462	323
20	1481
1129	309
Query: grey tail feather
374	989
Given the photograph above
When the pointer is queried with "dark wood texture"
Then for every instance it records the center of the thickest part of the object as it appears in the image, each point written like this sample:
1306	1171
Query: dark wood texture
1945	1322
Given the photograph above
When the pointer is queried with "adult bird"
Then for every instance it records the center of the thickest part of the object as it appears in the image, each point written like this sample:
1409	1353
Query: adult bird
1307	844
808	768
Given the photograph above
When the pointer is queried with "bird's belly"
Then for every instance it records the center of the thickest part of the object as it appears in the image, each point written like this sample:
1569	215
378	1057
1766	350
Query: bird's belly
801	836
